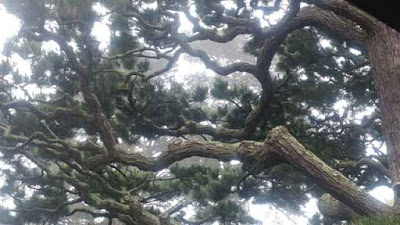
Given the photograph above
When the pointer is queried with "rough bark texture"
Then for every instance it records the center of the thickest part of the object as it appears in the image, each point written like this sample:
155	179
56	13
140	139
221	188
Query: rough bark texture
384	52
284	144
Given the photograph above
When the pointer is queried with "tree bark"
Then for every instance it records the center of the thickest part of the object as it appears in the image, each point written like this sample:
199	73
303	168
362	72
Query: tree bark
281	142
384	51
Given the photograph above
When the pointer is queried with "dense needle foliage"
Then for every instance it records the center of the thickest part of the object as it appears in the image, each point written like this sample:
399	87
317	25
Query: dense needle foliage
319	92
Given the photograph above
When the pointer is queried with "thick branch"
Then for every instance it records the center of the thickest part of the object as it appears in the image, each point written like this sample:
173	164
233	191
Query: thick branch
192	127
341	188
345	9
178	151
279	146
326	21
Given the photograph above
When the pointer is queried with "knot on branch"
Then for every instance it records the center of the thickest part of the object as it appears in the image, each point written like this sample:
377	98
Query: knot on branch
276	132
257	158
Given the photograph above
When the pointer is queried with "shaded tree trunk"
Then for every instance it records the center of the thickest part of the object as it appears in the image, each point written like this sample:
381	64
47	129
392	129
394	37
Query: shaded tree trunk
384	52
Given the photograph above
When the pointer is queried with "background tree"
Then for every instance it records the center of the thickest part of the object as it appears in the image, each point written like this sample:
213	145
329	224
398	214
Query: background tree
82	148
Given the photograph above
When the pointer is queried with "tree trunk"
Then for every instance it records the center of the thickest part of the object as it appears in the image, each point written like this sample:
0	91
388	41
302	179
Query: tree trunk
384	52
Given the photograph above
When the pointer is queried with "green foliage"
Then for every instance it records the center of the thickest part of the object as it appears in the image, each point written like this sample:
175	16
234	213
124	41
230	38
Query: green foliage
5	68
308	81
221	90
200	94
382	220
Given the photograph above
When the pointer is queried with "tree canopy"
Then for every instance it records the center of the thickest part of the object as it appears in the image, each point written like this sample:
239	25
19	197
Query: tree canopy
117	136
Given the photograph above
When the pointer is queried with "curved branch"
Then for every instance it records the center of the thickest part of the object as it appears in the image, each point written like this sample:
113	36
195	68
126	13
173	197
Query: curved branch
280	146
331	23
274	36
58	114
165	217
266	9
322	19
90	212
237	27
55	210
171	62
192	127
345	9
178	151
40	140
209	63
370	163
210	218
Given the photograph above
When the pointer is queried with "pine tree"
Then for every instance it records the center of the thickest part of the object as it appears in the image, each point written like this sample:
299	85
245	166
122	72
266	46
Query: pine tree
119	138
